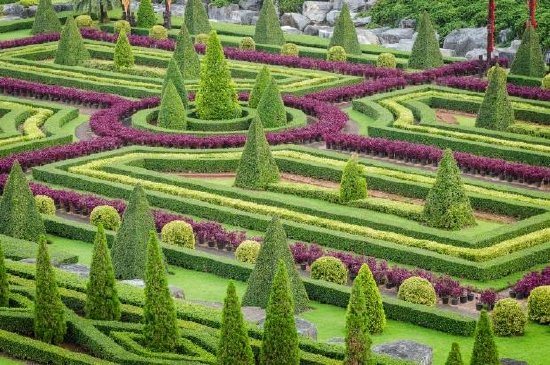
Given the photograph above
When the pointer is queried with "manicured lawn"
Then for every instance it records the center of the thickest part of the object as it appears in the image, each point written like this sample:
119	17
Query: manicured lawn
6	361
15	34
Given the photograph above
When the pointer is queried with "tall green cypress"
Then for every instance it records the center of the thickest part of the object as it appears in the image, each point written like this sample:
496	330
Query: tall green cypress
234	347
159	312
49	313
268	29
496	111
123	56
357	339
174	76
280	338
185	55
454	358
102	298
70	49
271	108
344	34
353	185
45	19
262	81
485	350
195	17
171	112
18	212
425	52
146	17
375	315
529	60
4	284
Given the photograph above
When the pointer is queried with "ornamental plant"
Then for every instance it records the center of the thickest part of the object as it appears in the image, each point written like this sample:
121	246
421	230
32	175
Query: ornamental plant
271	108
159	312
386	60
496	110
202	38
290	49
102	301
425	52
263	79
216	97
248	251
353	185
508	317
158	32
357	339
344	34
247	44
485	350
417	290
280	338
123	56
171	111
374	312
529	60
4	284
539	304
268	30
273	249
45	204
174	76
146	17
49	312
122	25
45	19
330	269
83	21
18	212
185	55
234	346
70	49
546	82
454	358
337	53
105	215
447	205
195	17
178	233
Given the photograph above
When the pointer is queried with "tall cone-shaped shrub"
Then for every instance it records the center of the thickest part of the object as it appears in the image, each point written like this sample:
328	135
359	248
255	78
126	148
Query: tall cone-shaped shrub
274	248
4	285
280	338
447	205
174	76
146	17
185	55
271	108
45	19
454	358
216	97
353	185
375	315
102	301
345	34
262	80
49	312
496	110
268	29
70	49
171	111
130	245
257	168
123	57
19	215
529	60
425	52
234	347
195	17
485	350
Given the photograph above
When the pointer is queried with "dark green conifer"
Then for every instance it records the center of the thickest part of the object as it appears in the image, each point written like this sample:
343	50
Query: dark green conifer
185	55
171	111
455	358
271	108
173	75
146	17
268	29
425	52
353	185
358	341
123	57
345	34
496	111
195	17
262	80
4	284
529	60
70	49
375	315
45	19
485	350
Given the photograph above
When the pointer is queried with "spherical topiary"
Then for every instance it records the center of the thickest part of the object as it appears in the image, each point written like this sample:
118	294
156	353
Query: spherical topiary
28	3
539	304
178	233
546	82
336	53
158	32
508	318
330	269
417	290
290	49
123	24
83	21
106	215
202	38
248	251
45	204
248	44
386	60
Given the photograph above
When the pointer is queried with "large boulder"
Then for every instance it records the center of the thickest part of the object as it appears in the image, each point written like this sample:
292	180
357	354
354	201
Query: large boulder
326	32
406	350
313	29
466	39
78	269
246	17
316	10
407	23
138	283
394	35
295	20
250	4
13	10
222	14
332	16
355	6
361	21
290	30
475	53
509	52
365	36
304	328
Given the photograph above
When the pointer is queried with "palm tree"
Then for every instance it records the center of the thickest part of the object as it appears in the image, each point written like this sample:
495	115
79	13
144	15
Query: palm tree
96	8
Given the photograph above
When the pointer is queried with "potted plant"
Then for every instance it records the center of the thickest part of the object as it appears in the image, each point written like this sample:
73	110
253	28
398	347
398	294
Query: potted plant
479	306
488	298
470	294
445	299
455	295
512	293
463	296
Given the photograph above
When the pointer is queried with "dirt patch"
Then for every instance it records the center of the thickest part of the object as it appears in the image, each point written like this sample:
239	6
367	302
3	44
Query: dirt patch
449	116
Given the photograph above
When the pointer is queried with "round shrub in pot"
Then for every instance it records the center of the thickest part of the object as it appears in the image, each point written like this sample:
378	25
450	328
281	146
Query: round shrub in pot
508	318
248	251
330	269
417	290
178	233
106	215
45	204
336	53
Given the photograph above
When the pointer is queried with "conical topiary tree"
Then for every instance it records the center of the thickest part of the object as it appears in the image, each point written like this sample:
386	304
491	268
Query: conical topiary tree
257	168
485	350
529	60
130	245
280	338
216	97
195	17
273	249
271	108
45	19
357	339
174	76
18	212
345	34
123	57
4	284
353	185
268	29
185	55
496	110
454	358
234	346
447	205
425	52
49	312
171	111
70	49
262	80
375	315
102	298
146	17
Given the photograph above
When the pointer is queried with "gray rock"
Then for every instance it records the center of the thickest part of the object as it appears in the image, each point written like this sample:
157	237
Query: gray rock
63	7
250	4
326	32
403	45
78	269
466	39
139	283
447	52
13	10
512	362
505	35
406	350
246	17
510	52
365	36
407	23
475	53
547	57
222	14
312	29
353	5
29	260
304	328
380	30
295	20
332	16
290	30
316	10
394	35
362	21
336	341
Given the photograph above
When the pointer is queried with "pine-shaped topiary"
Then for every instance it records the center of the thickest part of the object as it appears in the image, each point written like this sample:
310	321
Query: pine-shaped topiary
268	29
195	17
262	80
273	249
353	185
454	358
216	97
4	284
70	49
256	168
174	76
271	108
102	298
375	315
280	338
171	111
447	205
485	350
18	212
496	110
49	312
357	340
146	17
425	52
234	346
130	245
345	34
185	55
45	19
529	60
123	57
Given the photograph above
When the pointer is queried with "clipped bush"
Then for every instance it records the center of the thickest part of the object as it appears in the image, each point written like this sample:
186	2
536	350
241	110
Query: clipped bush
27	3
353	185
425	52
485	350
417	290
357	339
70	48
386	60
290	49
539	304
262	80
186	57
171	111
247	44
268	29
375	315
123	56
455	357
195	17
248	251
271	108
496	110
45	204
202	38
178	233
122	25
146	17
344	33
174	76
105	215
337	53
529	60
83	21
158	32
45	19
508	318
330	269
4	283
546	82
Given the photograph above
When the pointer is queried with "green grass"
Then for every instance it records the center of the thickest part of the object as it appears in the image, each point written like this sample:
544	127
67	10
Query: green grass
7	361
15	34
360	119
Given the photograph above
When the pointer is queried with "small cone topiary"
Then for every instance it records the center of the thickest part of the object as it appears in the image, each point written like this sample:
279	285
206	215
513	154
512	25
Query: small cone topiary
262	80
146	17
45	19
454	358
496	110
174	76
375	315
353	185
4	284
271	108
425	52
447	205
485	350
345	34
185	55
195	17
70	49
123	57
268	29
529	60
